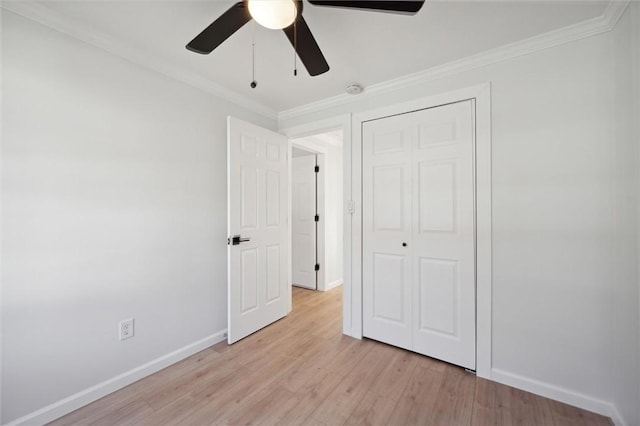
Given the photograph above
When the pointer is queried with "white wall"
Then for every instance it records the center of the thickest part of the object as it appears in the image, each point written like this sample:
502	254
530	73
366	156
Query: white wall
334	214
625	44
556	245
114	189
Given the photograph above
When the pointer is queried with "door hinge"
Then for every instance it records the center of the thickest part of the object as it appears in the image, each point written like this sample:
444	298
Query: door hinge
316	169
351	207
317	218
317	267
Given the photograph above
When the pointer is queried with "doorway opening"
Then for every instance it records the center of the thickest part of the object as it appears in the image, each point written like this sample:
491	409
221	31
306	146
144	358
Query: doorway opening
317	211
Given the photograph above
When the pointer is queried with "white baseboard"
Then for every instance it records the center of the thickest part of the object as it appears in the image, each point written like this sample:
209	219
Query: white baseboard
559	394
333	284
616	417
80	399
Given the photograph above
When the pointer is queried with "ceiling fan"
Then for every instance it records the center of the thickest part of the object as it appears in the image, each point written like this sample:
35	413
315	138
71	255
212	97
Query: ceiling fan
286	15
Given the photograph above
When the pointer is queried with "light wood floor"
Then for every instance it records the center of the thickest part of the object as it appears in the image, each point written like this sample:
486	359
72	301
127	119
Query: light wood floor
302	370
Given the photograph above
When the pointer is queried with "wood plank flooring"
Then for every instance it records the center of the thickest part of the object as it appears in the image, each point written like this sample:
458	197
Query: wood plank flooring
303	371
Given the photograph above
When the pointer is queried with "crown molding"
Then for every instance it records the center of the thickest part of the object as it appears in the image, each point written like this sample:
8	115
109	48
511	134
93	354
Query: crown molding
600	24
42	14
614	11
38	12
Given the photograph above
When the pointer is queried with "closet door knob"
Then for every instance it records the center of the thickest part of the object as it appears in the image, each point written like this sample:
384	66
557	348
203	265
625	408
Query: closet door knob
404	244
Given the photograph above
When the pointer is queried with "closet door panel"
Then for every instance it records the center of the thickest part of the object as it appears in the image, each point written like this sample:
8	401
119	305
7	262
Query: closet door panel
387	228
443	256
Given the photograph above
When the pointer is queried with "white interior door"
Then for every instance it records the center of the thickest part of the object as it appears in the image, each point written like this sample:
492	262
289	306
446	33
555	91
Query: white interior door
258	292
386	236
303	254
444	298
435	148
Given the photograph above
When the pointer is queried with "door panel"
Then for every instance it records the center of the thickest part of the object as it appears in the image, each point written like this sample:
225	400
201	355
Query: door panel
386	262
273	273
258	292
438	289
388	197
249	279
439	131
388	302
273	198
444	246
249	198
436	184
389	140
303	257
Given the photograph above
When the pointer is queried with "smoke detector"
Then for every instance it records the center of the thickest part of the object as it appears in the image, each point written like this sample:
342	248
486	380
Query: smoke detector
354	89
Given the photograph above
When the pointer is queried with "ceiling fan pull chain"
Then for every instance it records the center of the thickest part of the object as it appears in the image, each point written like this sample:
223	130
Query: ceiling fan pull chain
253	65
295	48
253	84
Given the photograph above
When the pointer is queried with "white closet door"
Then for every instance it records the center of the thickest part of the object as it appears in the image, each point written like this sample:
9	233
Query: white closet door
443	261
303	254
418	190
386	255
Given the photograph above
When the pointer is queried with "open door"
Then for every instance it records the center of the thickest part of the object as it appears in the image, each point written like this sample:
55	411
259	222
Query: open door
304	224
257	202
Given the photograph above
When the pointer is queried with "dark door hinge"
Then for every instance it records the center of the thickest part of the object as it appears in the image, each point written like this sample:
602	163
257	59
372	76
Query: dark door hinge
316	169
317	218
317	267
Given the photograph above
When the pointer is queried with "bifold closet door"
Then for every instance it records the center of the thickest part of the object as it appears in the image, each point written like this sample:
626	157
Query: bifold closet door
444	295
386	197
418	190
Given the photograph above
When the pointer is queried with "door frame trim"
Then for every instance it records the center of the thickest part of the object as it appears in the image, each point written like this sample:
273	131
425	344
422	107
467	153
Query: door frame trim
342	122
481	94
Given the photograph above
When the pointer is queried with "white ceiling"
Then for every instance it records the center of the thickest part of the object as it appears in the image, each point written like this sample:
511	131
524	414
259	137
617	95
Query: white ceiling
360	46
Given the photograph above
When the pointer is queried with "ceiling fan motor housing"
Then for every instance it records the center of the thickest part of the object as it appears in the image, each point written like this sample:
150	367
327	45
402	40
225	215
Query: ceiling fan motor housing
297	31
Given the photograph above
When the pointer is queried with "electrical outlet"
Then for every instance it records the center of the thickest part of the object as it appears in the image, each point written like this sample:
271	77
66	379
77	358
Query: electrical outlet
126	329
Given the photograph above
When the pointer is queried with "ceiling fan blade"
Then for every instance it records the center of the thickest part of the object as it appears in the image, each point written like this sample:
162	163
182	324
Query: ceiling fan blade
221	29
307	48
409	7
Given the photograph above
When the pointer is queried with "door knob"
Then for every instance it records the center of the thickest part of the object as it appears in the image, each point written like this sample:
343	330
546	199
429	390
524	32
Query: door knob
237	239
404	244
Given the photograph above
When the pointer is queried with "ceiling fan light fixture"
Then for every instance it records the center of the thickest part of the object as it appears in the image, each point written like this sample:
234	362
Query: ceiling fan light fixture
273	14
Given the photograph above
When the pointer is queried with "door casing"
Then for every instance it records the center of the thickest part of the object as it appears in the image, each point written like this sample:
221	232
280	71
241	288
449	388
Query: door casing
481	96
